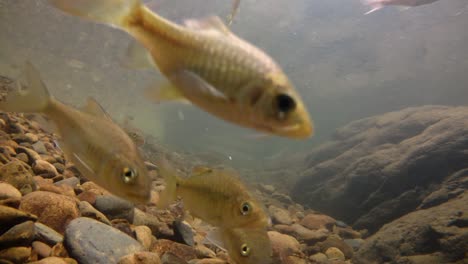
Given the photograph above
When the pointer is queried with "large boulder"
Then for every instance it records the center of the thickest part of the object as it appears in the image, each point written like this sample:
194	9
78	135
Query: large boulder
435	235
380	168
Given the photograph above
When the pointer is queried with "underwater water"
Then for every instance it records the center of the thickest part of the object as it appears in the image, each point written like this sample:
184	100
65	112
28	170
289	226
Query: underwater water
387	93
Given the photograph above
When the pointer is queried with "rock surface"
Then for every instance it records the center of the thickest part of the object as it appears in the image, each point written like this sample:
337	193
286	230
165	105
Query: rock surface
90	241
380	168
440	234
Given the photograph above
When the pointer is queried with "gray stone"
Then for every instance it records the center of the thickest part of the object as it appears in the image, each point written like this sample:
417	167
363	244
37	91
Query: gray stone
114	207
183	233
46	234
92	242
39	147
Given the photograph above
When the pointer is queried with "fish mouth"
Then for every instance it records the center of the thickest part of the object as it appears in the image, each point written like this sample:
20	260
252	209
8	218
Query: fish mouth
299	131
138	197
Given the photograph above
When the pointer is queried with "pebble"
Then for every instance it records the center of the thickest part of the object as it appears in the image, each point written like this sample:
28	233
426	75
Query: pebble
319	257
280	215
282	244
53	210
17	174
23	157
158	228
11	216
208	261
19	235
144	236
114	207
282	198
169	258
87	210
92	242
39	147
140	258
337	242
59	166
31	138
8	191
183	233
88	196
182	251
15	254
355	243
45	169
32	155
42	249
317	221
334	253
47	234
55	260
269	189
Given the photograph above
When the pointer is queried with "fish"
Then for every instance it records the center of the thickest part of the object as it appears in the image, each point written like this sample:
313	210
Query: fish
206	65
98	147
217	196
245	245
379	4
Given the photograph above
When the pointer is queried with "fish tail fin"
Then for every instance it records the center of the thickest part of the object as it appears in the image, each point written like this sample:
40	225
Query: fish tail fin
169	194
112	12
374	4
30	94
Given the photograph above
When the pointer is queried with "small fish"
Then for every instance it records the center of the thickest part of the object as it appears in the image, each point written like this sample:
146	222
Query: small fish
100	149
137	135
379	4
216	196
207	65
246	245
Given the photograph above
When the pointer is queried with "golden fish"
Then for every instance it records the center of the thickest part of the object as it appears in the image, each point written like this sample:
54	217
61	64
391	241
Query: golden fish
99	148
244	245
207	65
214	195
247	245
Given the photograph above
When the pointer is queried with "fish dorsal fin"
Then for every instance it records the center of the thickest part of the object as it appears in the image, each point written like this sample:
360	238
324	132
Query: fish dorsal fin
94	108
211	22
200	169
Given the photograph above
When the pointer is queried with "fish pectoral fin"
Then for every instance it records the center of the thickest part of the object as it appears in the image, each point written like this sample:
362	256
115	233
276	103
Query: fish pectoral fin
191	83
164	92
138	57
214	236
92	107
82	166
210	22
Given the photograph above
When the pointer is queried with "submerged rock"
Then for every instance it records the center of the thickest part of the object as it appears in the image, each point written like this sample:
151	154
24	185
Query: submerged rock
46	234
19	235
114	207
380	168
52	209
438	230
19	175
90	241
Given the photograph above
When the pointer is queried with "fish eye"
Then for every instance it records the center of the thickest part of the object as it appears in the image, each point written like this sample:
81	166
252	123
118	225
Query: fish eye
284	103
129	175
245	208
245	250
